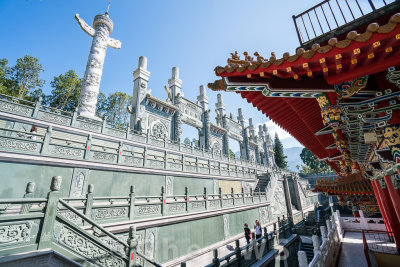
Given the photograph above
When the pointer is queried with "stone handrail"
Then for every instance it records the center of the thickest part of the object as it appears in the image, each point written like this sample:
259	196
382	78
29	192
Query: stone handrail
27	222
256	249
359	223
325	254
131	207
46	114
145	153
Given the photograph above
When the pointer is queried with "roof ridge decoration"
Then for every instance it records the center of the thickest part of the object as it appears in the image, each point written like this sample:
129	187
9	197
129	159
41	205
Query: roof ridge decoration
235	64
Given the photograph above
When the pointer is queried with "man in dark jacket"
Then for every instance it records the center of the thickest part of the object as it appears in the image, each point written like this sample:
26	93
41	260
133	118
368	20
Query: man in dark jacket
247	233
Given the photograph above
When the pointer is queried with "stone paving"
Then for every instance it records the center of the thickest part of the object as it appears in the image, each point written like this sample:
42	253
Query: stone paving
352	253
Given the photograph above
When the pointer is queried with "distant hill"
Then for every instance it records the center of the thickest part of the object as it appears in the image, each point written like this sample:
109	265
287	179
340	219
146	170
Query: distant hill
293	157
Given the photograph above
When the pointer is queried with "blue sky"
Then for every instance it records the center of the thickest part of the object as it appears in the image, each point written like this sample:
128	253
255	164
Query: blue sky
194	35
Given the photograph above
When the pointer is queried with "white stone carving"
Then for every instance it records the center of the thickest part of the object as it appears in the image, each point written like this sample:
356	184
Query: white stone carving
103	27
226	225
78	183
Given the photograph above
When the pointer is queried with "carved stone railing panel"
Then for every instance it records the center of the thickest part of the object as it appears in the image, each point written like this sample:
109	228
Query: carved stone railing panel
66	152
146	210
84	147
19	233
55	118
175	208
16	108
20	145
89	126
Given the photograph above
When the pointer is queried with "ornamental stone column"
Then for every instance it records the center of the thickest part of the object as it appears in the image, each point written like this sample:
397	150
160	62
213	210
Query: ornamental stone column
221	120
140	80
253	135
245	151
175	85
205	132
102	28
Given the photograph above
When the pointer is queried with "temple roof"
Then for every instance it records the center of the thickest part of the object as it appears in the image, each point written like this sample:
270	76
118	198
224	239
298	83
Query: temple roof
285	89
355	52
353	184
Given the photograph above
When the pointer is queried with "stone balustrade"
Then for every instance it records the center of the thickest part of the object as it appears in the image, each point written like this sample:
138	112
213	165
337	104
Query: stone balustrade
136	150
359	223
325	254
132	207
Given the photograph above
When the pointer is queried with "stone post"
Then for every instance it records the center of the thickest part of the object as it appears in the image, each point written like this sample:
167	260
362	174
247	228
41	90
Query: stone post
187	199
140	79
30	188
329	225
46	140
221	121
316	244
324	233
89	203
302	257
102	28
132	242
244	149
205	131
37	107
215	258
88	147
132	203
206	198
175	85
50	213
163	201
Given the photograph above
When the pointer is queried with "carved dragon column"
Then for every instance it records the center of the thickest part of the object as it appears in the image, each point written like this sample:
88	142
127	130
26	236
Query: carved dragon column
140	80
175	85
221	120
205	132
102	28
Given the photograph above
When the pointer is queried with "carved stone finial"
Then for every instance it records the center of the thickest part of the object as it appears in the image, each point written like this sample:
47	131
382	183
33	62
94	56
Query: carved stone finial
132	232
219	98
56	183
251	122
142	62
30	188
90	188
175	72
202	90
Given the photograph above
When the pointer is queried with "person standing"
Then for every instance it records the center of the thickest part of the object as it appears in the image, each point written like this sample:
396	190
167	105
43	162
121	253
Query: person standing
247	233
257	227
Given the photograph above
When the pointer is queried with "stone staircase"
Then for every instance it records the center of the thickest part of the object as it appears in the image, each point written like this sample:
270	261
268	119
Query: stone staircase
308	249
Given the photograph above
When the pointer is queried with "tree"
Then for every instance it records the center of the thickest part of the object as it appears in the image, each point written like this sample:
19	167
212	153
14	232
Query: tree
66	91
280	158
25	76
116	108
195	142
186	141
231	154
312	164
5	81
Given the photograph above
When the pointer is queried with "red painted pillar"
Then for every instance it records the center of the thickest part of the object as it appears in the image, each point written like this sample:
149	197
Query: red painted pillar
394	195
381	208
390	213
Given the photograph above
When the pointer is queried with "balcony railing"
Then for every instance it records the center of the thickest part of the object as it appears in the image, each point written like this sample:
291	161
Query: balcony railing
330	15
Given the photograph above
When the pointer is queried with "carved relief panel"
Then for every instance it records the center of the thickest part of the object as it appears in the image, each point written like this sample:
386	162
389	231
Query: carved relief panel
191	113
78	182
234	129
150	243
169	185
226	225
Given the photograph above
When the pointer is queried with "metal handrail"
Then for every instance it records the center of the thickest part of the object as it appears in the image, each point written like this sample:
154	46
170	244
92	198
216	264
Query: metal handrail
328	15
